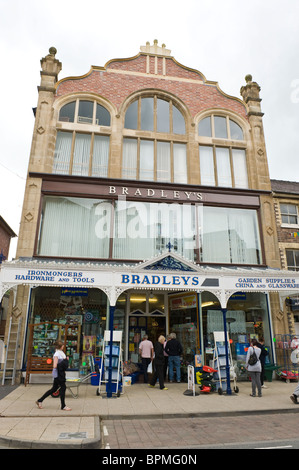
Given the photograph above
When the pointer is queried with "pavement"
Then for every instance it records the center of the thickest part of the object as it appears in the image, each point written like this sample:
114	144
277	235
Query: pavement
24	425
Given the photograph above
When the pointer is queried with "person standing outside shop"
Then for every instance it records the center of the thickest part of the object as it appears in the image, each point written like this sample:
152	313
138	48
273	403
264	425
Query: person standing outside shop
174	350
159	361
60	365
255	369
146	351
264	353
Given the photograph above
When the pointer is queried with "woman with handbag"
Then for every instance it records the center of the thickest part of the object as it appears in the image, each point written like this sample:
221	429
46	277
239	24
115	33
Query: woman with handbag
254	367
159	364
60	365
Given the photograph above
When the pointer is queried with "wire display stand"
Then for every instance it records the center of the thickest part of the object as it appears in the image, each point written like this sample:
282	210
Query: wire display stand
219	363
111	357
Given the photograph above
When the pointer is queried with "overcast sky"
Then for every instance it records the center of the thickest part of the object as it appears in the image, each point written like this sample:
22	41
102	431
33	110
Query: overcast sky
223	39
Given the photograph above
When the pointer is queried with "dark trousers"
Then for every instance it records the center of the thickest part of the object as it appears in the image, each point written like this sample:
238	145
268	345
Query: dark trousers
145	363
56	385
262	374
158	374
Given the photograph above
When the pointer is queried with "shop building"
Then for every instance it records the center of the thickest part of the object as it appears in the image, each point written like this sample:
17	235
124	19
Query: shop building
286	204
148	206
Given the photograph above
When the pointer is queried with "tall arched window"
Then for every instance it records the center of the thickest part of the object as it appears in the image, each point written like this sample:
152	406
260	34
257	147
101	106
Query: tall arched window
159	151
82	148
222	159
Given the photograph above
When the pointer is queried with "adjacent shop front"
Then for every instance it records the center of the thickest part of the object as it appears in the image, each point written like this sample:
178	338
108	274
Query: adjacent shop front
183	297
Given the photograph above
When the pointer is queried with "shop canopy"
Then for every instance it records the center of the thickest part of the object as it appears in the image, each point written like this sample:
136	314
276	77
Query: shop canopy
168	271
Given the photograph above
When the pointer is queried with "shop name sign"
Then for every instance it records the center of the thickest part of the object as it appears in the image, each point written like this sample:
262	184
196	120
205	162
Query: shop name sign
155	193
114	278
55	276
268	283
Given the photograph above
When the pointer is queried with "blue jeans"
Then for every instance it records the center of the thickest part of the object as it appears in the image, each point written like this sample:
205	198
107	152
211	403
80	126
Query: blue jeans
174	361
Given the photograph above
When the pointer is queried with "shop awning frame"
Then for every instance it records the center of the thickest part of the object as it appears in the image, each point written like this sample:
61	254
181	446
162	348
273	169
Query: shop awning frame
168	271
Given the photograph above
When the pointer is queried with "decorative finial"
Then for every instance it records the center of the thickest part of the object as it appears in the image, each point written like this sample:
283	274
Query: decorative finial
53	50
248	78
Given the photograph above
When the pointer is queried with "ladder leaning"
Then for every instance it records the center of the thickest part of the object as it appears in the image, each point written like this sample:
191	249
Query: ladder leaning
13	343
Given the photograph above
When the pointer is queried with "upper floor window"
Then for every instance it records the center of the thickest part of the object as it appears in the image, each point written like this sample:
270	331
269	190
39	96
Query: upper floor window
86	112
293	259
222	164
155	114
289	214
221	127
161	155
81	151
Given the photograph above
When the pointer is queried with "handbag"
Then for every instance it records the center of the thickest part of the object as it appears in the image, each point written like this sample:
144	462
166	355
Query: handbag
252	358
150	368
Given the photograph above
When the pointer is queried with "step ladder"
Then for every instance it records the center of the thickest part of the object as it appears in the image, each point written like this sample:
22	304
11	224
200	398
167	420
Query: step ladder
11	349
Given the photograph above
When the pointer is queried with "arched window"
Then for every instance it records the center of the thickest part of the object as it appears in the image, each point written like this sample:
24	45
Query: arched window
82	150
222	162
159	152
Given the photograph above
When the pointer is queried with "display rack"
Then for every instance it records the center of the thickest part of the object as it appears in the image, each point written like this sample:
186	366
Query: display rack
219	363
42	337
116	362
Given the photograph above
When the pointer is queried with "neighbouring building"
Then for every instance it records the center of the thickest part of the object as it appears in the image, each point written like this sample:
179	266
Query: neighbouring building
286	204
6	234
148	206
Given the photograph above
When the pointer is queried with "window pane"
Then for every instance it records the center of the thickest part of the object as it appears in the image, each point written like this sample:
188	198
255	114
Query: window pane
220	127
179	163
162	116
85	113
67	112
142	230
146	160
147	114
131	116
289	214
240	168
236	132
75	227
102	116
293	259
178	121
129	164
163	161
223	167
62	155
81	154
100	156
204	127
207	172
229	235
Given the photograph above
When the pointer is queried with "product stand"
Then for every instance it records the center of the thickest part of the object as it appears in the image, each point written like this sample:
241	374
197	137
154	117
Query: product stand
220	362
111	370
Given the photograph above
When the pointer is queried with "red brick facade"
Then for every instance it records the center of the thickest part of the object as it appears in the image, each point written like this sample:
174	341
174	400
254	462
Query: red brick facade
187	84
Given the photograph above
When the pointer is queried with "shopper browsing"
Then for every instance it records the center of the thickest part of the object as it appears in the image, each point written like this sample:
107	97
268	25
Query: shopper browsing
159	364
146	351
174	350
254	369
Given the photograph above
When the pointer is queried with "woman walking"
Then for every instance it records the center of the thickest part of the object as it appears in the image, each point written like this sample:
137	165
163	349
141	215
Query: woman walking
60	365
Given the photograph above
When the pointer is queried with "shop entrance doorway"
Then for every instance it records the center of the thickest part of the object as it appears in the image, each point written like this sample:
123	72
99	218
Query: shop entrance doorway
139	326
146	316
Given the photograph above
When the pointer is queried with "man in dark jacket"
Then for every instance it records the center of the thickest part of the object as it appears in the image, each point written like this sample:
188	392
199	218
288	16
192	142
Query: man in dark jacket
174	350
159	364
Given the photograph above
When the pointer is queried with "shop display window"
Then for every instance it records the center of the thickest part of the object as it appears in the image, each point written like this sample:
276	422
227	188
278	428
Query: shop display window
247	318
80	312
